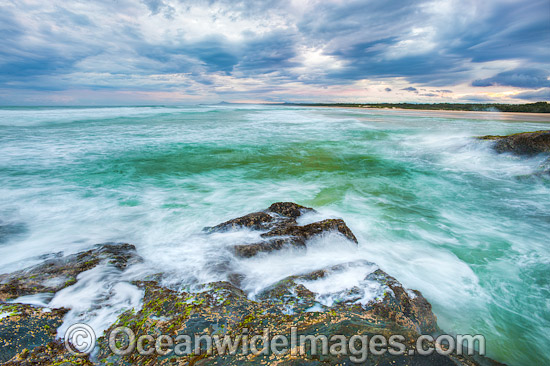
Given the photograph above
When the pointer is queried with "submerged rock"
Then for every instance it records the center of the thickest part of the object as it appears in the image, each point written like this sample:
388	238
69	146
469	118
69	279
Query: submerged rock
59	272
525	143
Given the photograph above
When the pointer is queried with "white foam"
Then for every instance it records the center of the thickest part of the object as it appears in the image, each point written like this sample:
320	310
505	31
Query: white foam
98	297
40	299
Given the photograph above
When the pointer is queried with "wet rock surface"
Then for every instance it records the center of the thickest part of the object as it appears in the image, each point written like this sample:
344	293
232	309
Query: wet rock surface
52	353
279	220
279	214
376	305
24	327
222	309
525	143
59	272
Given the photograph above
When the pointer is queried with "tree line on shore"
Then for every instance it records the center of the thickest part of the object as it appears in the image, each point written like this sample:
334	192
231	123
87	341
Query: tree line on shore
538	107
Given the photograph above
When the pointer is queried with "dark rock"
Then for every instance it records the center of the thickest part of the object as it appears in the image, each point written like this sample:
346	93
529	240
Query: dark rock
292	235
279	220
305	232
222	309
59	272
289	209
278	214
26	327
250	250
52	353
407	308
525	143
255	220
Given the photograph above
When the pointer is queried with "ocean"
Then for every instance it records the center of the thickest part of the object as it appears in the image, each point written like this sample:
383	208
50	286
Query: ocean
429	204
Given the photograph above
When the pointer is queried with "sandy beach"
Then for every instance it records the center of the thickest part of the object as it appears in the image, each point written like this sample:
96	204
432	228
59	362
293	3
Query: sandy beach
483	115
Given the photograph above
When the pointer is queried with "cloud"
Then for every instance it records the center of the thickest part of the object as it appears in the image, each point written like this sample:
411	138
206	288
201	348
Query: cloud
522	78
266	48
538	95
158	6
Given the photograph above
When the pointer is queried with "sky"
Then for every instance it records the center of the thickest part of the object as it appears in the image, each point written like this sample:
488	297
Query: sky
102	52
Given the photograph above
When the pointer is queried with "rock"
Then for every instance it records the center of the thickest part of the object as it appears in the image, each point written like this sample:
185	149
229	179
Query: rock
24	327
302	233
255	220
279	220
221	309
525	143
250	250
291	235
289	209
279	213
53	353
407	308
59	272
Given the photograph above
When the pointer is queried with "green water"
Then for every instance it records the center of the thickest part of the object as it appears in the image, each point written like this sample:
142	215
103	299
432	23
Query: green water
430	205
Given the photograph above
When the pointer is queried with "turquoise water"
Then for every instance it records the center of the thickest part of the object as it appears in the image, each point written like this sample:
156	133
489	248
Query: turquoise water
430	205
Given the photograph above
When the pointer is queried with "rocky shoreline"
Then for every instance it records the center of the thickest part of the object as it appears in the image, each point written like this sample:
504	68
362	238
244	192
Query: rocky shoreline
29	332
524	143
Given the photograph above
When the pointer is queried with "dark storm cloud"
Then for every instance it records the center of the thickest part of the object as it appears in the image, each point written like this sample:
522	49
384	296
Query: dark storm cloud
522	78
539	95
268	54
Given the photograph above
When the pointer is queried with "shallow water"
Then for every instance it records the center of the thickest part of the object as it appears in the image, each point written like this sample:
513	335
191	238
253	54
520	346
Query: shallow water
429	205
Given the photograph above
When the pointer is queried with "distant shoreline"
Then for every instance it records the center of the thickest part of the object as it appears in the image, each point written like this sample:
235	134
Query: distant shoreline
450	113
538	107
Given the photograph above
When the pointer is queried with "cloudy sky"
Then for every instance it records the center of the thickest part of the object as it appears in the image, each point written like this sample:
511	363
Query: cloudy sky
179	52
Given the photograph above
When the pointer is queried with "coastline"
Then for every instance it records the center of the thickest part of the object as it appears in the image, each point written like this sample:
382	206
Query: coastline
483	115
